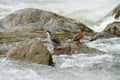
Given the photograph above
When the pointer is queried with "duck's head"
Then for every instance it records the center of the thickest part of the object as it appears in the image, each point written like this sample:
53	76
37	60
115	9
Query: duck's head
48	32
82	29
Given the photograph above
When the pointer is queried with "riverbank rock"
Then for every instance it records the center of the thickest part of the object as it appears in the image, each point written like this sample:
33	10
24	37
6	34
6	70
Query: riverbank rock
41	19
31	51
112	30
64	49
73	48
116	12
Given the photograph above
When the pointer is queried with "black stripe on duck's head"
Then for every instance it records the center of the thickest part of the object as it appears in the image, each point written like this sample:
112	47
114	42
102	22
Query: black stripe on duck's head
48	32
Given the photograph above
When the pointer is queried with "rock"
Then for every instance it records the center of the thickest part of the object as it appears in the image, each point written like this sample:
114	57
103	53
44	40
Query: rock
45	20
64	49
116	11
101	35
73	48
29	23
112	30
82	48
31	51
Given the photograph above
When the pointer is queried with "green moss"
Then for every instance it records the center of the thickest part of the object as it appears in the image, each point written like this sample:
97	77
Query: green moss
2	52
63	35
5	37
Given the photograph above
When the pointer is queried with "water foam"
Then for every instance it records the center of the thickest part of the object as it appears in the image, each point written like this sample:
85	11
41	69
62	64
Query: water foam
83	61
111	45
103	25
18	72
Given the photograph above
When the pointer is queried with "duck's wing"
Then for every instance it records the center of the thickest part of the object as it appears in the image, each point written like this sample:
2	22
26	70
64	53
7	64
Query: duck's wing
76	37
56	41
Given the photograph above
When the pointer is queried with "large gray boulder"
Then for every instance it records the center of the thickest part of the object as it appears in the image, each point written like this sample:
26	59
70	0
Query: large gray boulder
30	23
31	51
45	20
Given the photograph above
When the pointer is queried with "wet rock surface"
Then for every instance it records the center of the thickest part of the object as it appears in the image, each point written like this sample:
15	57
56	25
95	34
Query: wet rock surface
73	48
45	20
31	51
111	30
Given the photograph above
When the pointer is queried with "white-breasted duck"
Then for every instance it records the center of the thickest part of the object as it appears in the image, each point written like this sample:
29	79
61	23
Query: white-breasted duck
54	41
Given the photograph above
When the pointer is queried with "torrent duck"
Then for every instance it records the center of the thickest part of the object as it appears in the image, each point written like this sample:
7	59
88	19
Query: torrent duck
54	41
79	36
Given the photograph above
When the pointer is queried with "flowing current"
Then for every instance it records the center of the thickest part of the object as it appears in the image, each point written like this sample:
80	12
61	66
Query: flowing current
68	67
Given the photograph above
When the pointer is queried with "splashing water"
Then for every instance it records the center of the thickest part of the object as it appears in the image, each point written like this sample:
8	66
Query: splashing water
85	60
102	26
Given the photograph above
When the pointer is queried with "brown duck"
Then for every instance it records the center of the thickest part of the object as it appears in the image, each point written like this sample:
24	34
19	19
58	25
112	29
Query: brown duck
79	36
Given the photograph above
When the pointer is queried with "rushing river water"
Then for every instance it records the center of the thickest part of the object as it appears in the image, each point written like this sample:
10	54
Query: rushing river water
74	67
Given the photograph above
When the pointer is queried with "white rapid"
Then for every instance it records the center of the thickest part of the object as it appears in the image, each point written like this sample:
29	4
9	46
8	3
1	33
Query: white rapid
68	67
103	24
11	71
